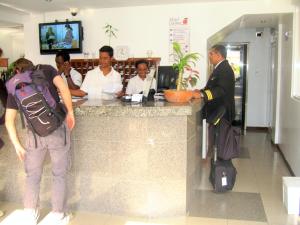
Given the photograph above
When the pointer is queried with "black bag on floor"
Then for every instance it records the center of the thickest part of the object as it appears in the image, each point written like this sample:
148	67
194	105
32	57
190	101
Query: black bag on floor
222	175
222	172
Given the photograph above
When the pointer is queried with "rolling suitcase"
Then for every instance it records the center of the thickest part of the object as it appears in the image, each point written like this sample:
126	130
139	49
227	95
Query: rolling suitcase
222	173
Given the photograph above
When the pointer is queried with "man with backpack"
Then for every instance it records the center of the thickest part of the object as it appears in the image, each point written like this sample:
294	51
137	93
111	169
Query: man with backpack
33	91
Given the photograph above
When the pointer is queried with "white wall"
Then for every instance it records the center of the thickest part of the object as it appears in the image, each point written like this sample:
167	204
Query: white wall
12	44
18	46
258	74
6	44
144	28
289	123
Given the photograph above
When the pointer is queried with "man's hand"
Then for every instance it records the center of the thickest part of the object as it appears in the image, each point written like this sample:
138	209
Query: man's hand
196	94
67	68
21	152
70	120
10	117
120	94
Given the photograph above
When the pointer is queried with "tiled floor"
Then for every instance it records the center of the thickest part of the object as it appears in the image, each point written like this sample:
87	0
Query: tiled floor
245	154
255	200
228	205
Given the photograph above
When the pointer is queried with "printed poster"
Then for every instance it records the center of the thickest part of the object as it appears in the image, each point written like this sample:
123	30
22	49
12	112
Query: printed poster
179	31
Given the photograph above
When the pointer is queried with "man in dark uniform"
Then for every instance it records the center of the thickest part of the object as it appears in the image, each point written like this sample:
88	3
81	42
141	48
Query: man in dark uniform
219	89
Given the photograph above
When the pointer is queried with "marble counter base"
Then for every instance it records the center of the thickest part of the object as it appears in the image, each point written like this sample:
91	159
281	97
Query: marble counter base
141	166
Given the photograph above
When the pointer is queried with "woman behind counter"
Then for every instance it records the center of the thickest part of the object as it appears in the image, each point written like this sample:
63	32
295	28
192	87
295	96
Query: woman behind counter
136	84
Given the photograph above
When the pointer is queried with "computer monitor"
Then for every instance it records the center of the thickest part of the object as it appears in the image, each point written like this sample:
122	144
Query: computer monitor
166	78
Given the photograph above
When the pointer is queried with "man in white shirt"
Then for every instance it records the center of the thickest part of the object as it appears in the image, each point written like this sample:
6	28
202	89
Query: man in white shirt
102	80
136	84
71	77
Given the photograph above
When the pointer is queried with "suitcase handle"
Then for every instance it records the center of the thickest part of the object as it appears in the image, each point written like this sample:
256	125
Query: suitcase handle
214	119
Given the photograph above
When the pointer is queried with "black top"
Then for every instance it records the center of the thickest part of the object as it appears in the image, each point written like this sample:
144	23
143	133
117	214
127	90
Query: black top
219	91
50	72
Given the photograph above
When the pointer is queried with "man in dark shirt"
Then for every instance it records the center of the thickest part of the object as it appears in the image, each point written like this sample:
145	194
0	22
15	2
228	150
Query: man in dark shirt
71	77
34	155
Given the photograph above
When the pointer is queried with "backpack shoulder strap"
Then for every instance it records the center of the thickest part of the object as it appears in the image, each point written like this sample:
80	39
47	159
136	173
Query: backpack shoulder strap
17	79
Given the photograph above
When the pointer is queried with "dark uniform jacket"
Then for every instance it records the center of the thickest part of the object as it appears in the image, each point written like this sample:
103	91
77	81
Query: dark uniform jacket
219	91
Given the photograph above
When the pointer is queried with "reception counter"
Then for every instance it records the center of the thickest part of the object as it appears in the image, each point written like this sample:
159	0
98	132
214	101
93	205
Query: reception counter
127	159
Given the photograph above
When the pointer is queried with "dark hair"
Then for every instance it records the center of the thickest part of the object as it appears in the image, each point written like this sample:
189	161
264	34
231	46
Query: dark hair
107	49
23	65
220	49
137	63
65	55
68	26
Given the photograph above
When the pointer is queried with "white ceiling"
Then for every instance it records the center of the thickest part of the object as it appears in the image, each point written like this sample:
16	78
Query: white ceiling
9	9
5	24
58	5
259	20
23	7
247	21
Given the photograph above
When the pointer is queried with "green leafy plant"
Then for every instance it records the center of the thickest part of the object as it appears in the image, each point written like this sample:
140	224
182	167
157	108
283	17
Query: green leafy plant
183	64
110	31
7	74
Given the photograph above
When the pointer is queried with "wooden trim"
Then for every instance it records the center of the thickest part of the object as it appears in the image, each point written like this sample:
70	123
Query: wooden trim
258	129
284	159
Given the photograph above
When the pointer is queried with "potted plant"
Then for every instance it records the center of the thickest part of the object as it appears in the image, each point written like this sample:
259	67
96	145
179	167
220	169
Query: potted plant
6	74
186	75
110	31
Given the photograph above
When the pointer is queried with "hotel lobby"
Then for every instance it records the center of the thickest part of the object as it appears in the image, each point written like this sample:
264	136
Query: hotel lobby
146	162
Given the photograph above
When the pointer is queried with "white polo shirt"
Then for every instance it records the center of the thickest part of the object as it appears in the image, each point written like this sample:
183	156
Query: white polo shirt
136	85
95	83
75	76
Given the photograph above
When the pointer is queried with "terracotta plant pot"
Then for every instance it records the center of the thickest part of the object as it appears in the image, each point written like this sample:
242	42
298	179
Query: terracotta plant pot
178	96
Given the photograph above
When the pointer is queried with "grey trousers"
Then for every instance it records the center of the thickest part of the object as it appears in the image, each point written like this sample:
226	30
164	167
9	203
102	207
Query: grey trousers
60	163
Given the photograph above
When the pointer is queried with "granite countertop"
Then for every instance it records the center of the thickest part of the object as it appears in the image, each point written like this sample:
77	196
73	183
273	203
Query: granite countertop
117	108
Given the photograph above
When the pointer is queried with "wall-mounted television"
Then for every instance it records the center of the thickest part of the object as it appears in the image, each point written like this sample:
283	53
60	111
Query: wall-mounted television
59	36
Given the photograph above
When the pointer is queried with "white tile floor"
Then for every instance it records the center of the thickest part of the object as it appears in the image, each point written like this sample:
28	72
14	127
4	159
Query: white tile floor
261	173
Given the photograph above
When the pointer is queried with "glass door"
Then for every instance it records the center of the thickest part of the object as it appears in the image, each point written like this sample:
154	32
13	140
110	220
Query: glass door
237	58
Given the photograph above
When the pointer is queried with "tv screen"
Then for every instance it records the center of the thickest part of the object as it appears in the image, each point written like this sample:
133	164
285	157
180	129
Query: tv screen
59	36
